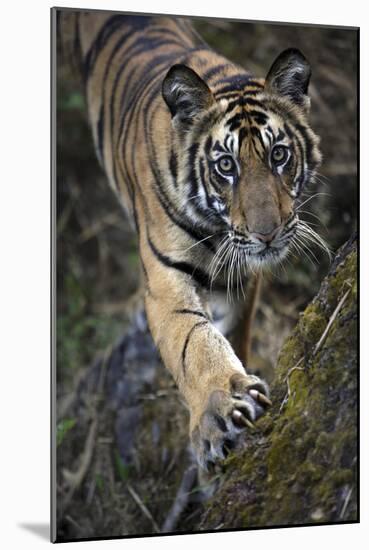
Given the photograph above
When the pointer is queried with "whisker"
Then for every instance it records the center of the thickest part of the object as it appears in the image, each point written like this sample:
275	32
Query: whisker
232	271
309	199
240	272
229	276
301	246
199	242
304	229
313	223
306	248
218	259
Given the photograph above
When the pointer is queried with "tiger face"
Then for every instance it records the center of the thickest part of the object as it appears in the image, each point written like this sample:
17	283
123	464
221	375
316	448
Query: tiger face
247	154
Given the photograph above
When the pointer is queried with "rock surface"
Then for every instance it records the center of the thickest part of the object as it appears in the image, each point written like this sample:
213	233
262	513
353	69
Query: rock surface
300	467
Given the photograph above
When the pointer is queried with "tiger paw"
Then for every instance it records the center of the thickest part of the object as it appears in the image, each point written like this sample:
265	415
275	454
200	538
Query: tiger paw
228	415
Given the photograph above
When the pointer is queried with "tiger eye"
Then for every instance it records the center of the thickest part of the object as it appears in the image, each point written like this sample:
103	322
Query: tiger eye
279	154
226	165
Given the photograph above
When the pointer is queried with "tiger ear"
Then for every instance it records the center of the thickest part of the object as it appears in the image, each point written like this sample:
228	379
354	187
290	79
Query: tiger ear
185	93
289	76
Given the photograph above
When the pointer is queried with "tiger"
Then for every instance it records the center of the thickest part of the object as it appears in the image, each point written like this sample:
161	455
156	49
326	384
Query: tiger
209	163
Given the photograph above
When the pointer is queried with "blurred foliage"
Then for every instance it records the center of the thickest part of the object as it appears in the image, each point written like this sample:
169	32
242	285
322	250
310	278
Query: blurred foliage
63	427
72	101
76	325
123	469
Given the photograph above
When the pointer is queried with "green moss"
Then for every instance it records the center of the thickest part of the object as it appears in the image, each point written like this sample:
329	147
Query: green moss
344	278
301	464
312	324
266	424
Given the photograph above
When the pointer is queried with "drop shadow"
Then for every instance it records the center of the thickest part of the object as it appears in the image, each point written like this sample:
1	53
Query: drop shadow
42	530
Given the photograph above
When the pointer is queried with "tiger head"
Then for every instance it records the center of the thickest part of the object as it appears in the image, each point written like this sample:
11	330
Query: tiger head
246	152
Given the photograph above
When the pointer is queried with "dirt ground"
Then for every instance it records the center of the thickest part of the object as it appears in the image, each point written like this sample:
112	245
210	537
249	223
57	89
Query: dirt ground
106	486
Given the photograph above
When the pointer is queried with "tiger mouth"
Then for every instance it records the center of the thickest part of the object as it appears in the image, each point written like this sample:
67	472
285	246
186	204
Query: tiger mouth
272	253
262	253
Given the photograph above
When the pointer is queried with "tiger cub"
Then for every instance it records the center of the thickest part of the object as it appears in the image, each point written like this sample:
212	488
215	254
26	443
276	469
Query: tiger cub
209	162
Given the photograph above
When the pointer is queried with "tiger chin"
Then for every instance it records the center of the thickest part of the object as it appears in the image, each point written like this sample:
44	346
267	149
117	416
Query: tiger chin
210	163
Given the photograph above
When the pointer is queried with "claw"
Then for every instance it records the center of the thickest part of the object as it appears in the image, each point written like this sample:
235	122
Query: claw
239	418
255	394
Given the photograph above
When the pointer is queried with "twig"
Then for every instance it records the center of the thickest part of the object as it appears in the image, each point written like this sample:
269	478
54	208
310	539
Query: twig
146	512
287	379
73	522
91	231
75	479
158	394
316	348
330	322
181	500
345	504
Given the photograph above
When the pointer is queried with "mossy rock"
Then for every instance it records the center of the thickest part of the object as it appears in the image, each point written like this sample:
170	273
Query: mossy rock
300	467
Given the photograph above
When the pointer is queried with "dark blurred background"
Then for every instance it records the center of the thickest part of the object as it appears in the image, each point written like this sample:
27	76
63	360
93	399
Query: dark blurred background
97	259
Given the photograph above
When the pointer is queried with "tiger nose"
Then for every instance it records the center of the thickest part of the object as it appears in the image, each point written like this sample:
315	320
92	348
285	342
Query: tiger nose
266	237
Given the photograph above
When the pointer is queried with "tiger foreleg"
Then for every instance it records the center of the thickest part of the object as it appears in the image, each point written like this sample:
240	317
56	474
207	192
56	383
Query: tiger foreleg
223	400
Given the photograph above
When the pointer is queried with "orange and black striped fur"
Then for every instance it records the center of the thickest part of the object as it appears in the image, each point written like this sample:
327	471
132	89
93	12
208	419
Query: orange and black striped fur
209	162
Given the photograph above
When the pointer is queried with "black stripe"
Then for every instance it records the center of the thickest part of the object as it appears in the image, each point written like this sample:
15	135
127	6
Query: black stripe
106	31
165	31
214	71
190	312
181	222
244	101
241	136
252	102
308	142
184	350
100	125
280	135
195	273
232	93
218	147
256	134
217	181
260	117
173	166
145	44
193	150
233	104
236	121
128	111
167	60
141	86
198	50
209	145
299	181
100	133
234	82
204	125
209	200
117	49
239	83
271	137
